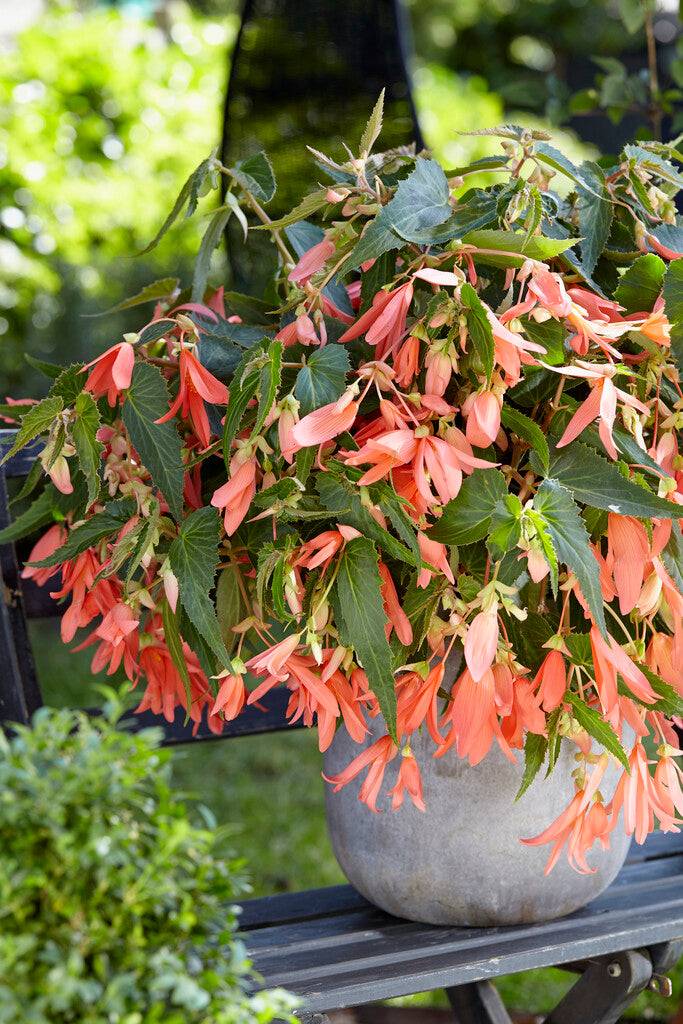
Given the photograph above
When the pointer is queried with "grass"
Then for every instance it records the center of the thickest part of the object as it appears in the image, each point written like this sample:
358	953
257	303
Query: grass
271	790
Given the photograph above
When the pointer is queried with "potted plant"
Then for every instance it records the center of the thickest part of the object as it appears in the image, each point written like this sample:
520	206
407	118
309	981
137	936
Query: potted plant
448	428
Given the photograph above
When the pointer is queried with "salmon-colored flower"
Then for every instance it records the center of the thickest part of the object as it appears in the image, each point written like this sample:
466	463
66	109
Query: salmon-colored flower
407	361
231	696
196	386
483	419
377	756
551	680
384	323
436	555
313	260
235	497
325	423
481	643
601	402
113	372
398	619
628	552
409	778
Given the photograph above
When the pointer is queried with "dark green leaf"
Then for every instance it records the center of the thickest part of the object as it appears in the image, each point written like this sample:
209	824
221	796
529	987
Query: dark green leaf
39	513
211	240
554	504
244	387
579	646
378	238
249	308
421	200
229	605
394	509
527	430
528	637
37	420
103	524
672	555
595	214
323	379
535	750
506	527
654	164
69	384
269	382
256	176
375	277
193	556
373	127
306	207
158	444
670	702
477	213
305	458
343	502
590	720
189	194
593	480
88	448
552	157
479	328
550	334
467	517
51	370
641	284
363	621
175	648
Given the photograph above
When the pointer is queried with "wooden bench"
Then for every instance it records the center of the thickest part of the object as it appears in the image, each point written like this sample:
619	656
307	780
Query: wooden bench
335	950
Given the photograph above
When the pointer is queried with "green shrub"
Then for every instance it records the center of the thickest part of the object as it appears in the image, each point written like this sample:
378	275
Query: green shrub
112	903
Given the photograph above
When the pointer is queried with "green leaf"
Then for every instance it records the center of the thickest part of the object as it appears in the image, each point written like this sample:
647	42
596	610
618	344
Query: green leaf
88	448
466	518
269	382
673	307
479	328
343	502
323	379
419	604
37	420
363	621
670	702
652	162
305	458
580	649
169	620
421	200
39	513
535	750
474	214
189	194
51	370
527	430
244	387
594	481
528	637
249	308
394	509
552	157
255	175
158	444
229	606
378	238
640	286
161	289
569	536
373	127
103	524
595	214
193	556
672	555
375	277
306	207
69	384
547	546
506	526
632	14
504	243
590	720
211	240
270	563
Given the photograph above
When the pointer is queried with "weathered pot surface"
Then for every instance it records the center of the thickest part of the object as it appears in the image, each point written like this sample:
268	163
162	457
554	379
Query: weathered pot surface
461	862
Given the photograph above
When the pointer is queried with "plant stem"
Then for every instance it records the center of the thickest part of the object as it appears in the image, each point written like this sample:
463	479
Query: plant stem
265	219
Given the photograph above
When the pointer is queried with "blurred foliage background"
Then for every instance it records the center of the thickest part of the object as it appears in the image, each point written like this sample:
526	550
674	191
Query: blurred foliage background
105	108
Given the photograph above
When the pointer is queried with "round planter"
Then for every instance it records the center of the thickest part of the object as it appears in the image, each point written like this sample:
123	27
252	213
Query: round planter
461	862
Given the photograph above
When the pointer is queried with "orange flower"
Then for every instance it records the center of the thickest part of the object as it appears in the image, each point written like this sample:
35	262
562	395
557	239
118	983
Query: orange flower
236	495
196	386
112	373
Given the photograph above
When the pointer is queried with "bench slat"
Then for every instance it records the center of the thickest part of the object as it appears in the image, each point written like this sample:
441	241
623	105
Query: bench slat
350	952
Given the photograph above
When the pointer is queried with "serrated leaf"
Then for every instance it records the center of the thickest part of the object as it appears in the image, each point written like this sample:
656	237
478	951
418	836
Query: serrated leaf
505	528
193	557
419	604
673	307
479	328
653	163
88	448
670	702
161	289
594	481
306	207
394	509
373	127
100	525
37	420
547	547
38	514
580	649
256	176
243	389
51	370
148	529
466	518
158	445
595	214
528	637
69	384
421	200
640	286
375	277
471	216
590	720
323	379
169	621
196	642
189	194
378	238
535	750
211	240
343	502
569	536
271	556
527	430
363	621
305	458
558	161
229	606
269	382
672	555
511	248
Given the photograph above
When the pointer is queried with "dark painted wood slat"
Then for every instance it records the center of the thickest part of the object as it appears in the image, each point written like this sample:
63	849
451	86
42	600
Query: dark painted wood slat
294	907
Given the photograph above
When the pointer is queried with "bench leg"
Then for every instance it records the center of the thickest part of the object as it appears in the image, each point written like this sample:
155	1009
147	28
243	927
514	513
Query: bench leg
312	1018
477	1003
606	988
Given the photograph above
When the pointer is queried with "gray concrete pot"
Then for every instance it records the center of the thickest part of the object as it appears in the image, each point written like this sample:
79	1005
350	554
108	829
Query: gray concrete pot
461	862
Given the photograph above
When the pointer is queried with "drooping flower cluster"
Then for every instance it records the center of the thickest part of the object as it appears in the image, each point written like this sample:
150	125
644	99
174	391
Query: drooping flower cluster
457	440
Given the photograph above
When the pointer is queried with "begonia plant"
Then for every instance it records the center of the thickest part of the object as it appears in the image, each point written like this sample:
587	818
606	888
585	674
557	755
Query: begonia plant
449	424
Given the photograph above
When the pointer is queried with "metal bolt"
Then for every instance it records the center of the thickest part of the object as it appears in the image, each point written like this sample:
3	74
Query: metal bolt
614	969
